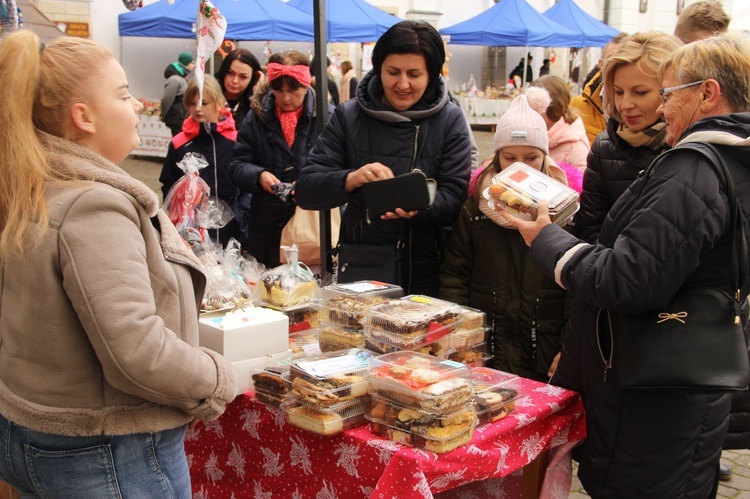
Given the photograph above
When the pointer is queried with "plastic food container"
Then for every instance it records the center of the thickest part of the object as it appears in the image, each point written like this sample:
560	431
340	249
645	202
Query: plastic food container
334	337
329	378
412	321
347	304
474	356
496	393
304	343
420	381
329	420
301	317
437	433
269	384
519	188
440	348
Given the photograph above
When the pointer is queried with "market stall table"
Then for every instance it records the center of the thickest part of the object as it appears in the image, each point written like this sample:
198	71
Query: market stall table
155	137
483	111
251	451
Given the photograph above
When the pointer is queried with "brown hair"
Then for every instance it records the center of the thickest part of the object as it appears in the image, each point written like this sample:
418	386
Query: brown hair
346	66
288	58
707	16
211	91
559	106
41	85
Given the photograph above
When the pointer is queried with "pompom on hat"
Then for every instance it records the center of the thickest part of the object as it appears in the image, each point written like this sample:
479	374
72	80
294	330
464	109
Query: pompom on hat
185	58
521	125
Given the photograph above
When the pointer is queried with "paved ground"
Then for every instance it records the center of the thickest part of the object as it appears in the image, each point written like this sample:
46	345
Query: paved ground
148	169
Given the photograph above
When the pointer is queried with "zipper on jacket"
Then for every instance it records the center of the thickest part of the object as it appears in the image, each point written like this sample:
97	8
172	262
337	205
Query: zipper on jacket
413	165
533	333
607	360
216	164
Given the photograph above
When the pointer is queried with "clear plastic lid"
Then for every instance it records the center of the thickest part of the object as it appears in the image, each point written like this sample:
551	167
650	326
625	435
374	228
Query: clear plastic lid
417	380
352	362
519	188
334	337
329	392
474	356
304	343
360	289
380	342
495	393
472	318
347	304
326	421
270	378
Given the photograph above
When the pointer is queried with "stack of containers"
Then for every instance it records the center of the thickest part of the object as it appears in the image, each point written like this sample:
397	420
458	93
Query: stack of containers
269	383
327	393
414	322
421	401
495	393
342	308
468	341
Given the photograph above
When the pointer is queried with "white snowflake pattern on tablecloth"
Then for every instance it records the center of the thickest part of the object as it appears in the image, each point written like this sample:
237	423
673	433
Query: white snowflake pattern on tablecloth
425	454
300	455
532	446
192	433
259	493
466	494
524	402
213	471
296	494
494	489
348	457
551	390
422	486
558	491
366	491
251	420
327	492
445	481
504	450
201	494
524	419
560	438
386	449
279	416
271	462
214	426
189	458
236	461
554	406
473	449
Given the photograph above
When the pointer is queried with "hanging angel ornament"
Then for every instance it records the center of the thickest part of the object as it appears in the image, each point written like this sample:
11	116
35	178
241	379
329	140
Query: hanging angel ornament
211	27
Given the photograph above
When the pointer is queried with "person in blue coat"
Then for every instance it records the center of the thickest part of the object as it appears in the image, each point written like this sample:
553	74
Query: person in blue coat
272	146
402	119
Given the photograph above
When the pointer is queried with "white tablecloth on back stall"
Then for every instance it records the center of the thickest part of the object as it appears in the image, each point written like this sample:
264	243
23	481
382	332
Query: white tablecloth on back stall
483	111
155	137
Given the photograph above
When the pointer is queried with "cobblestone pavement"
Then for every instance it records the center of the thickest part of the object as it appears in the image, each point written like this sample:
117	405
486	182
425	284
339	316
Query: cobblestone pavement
147	170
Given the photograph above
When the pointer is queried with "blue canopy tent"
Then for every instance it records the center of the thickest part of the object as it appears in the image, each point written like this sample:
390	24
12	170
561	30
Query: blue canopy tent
246	19
351	20
512	23
595	33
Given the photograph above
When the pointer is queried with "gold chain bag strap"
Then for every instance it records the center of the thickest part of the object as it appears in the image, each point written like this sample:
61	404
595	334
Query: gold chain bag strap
696	343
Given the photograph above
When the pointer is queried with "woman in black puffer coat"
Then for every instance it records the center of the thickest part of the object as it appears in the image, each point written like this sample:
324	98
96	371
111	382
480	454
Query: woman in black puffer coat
401	120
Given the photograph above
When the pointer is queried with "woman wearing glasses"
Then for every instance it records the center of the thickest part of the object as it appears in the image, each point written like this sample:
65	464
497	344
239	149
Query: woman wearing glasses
669	231
635	131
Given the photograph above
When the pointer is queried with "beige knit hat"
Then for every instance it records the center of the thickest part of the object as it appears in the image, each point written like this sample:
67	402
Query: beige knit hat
521	126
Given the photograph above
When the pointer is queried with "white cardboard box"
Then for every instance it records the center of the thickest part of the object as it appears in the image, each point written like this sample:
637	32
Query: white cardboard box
244	369
246	334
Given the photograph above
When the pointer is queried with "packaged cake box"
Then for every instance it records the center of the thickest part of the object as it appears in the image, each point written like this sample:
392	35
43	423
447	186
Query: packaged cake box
245	333
437	433
421	381
346	304
519	188
495	393
334	337
329	378
304	343
473	356
244	369
412	321
471	330
326	420
268	381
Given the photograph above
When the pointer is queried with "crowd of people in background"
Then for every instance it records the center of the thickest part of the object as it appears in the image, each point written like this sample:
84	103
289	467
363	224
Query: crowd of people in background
632	245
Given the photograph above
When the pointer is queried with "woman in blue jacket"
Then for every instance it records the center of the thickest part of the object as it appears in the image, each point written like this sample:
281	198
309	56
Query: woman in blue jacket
401	120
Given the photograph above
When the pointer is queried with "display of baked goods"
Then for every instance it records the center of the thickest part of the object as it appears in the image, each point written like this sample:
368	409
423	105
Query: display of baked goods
474	356
495	393
269	384
463	338
335	337
431	432
286	286
326	421
304	343
519	188
328	378
301	317
349	311
361	289
472	318
421	381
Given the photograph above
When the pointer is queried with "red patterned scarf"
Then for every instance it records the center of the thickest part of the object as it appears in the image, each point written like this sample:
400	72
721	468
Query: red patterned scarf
288	122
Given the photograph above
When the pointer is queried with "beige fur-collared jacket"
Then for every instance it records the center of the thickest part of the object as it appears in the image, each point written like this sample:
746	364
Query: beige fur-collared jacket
99	323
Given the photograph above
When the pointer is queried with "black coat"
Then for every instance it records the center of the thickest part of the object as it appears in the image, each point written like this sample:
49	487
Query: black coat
432	136
216	146
612	166
261	146
646	444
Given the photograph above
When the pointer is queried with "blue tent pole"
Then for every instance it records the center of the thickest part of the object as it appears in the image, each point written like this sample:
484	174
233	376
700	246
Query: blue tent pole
321	108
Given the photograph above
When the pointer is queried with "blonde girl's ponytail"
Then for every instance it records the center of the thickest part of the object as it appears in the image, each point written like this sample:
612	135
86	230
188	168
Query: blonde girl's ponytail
23	167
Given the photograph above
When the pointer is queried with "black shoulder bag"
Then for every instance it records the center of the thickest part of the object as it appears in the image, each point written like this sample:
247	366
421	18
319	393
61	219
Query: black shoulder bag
696	343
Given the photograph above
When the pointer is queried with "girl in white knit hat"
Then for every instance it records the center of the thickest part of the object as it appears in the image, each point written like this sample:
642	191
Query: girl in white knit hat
486	264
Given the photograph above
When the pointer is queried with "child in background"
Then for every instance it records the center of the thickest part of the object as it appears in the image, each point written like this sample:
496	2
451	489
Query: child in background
487	265
209	131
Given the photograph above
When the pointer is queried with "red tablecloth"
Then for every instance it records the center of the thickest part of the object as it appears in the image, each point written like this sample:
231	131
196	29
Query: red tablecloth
252	452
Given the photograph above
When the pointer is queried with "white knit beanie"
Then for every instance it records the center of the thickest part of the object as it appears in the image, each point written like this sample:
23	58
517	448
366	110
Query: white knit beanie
521	126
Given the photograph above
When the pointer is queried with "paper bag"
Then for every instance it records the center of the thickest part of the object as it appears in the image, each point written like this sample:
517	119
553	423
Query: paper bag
303	229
